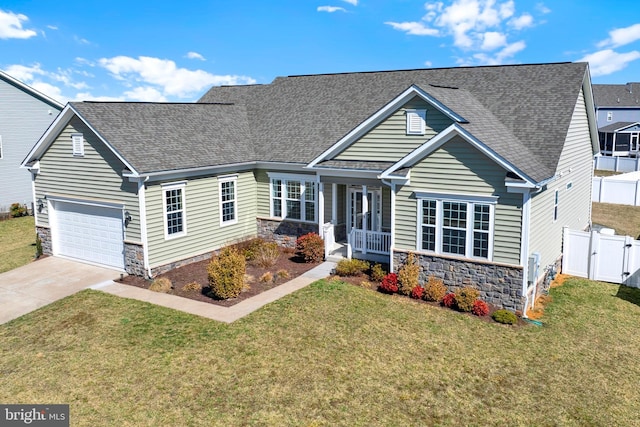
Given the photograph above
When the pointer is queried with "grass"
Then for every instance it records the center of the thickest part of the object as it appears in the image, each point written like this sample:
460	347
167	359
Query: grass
330	354
17	242
598	172
622	218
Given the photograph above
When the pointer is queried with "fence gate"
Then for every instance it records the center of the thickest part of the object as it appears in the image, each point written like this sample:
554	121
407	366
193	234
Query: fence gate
596	256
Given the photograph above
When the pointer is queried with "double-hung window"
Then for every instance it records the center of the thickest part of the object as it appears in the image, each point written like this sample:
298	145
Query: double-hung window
293	197
453	225
228	200
173	202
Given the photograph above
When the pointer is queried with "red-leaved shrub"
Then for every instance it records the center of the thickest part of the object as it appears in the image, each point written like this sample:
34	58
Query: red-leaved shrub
310	247
416	292
449	300
389	284
480	308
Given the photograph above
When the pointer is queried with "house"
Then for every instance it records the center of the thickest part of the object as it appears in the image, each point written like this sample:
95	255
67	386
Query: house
618	115
476	170
25	114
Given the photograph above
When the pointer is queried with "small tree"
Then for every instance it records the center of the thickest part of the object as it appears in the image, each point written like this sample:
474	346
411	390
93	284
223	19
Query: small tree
226	274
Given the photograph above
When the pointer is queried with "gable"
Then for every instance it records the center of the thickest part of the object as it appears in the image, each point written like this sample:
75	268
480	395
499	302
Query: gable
388	141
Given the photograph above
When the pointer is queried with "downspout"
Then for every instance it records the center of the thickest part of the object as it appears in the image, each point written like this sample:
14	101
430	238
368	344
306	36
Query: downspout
524	250
392	242
143	222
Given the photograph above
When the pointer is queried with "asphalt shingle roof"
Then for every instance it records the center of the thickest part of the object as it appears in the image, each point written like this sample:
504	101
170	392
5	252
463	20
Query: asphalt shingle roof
627	95
615	126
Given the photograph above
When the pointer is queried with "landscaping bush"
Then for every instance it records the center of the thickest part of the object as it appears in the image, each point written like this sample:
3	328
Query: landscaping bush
377	273
480	308
505	316
267	254
310	247
282	274
17	210
192	287
161	284
38	246
365	284
249	248
416	292
351	267
408	275
449	300
266	277
389	284
226	273
434	289
466	297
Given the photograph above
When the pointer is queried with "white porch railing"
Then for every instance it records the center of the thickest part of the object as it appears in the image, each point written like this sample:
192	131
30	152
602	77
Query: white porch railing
329	238
375	242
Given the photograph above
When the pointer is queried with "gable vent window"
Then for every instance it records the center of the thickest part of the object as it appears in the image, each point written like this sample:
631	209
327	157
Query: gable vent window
416	121
78	144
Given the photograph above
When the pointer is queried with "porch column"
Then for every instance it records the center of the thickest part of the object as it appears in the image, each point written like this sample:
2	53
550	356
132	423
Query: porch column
320	208
613	144
334	203
392	241
365	214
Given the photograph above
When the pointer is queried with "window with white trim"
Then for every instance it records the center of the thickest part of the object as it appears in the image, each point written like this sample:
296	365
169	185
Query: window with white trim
456	227
293	198
556	201
228	200
175	224
416	122
77	141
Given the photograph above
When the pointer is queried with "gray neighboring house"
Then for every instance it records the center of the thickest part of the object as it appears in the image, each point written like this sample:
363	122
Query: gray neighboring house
25	114
476	170
618	116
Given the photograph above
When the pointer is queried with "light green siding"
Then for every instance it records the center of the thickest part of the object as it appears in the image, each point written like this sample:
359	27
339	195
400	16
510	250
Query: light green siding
388	141
202	206
459	168
263	188
574	209
95	176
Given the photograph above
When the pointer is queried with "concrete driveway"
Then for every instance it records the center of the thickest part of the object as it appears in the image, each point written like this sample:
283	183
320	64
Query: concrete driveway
42	282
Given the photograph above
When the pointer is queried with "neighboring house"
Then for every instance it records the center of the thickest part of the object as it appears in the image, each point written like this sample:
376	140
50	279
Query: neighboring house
618	114
25	114
476	170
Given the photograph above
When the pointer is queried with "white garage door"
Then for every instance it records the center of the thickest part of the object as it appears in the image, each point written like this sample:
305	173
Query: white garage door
89	233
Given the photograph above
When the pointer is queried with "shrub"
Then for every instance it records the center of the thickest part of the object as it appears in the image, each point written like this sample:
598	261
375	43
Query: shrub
480	308
310	247
17	210
417	292
267	254
226	273
365	284
161	284
377	273
351	267
282	274
249	248
434	289
38	246
192	286
389	284
266	277
466	297
449	300
505	316
408	275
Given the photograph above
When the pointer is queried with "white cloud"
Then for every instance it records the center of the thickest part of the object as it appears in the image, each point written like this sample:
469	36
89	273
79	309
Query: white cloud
414	28
166	76
52	27
523	21
11	26
81	40
87	96
501	56
622	36
493	40
195	55
428	63
331	9
145	93
607	61
540	7
353	2
53	92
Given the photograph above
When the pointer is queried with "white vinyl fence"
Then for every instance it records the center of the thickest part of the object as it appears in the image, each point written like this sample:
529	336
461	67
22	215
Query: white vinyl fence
596	256
618	191
616	163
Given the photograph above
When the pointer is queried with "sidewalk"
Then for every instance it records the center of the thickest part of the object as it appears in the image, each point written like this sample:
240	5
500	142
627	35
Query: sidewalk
212	311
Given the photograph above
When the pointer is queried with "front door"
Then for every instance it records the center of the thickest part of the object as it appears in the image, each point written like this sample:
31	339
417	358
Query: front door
373	217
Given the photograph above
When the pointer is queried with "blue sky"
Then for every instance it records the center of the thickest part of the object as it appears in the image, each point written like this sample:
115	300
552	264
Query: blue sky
174	51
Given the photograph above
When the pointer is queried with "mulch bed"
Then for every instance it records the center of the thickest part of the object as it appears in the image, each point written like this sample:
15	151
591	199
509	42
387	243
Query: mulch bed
197	272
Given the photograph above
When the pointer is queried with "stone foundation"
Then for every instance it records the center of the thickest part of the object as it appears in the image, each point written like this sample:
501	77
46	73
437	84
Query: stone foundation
45	237
284	233
499	284
167	267
134	259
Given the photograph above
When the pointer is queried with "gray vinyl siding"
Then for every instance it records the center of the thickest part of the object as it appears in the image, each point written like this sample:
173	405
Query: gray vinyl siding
95	176
458	168
388	141
202	211
23	119
574	208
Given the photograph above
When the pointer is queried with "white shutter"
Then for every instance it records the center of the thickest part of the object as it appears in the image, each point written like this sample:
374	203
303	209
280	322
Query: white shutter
416	122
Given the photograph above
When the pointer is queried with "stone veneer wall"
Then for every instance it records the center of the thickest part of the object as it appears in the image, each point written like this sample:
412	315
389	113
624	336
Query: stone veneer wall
284	233
499	284
45	237
134	259
167	267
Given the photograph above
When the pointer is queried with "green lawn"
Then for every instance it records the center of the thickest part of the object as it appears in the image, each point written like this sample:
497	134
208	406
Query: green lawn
622	218
17	242
330	354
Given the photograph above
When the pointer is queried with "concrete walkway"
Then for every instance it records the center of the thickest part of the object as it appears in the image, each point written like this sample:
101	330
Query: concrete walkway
212	311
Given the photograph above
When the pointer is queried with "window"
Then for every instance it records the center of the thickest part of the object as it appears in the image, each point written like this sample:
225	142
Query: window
569	185
228	197
174	210
78	144
457	227
293	198
416	120
556	199
610	116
